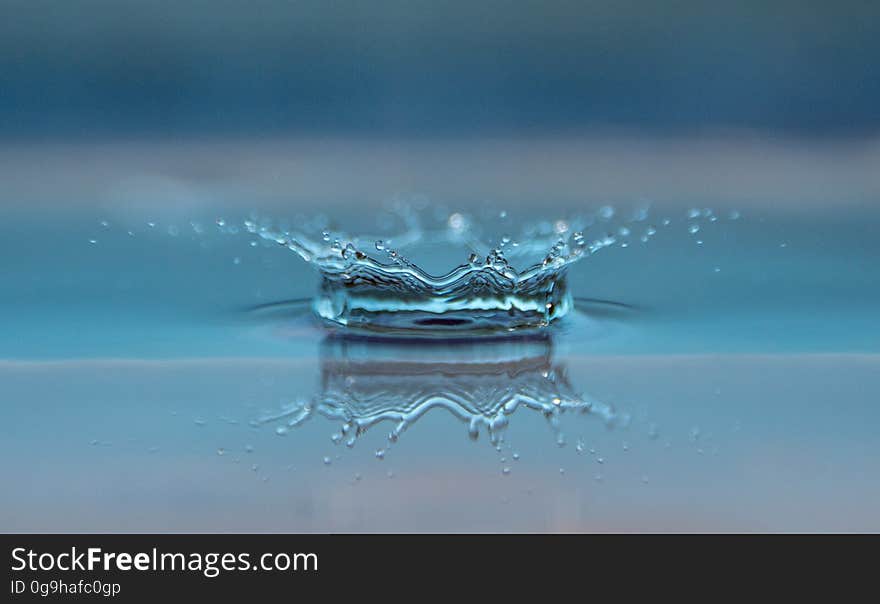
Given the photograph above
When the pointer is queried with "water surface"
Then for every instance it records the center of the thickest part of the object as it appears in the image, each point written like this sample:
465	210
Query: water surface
724	378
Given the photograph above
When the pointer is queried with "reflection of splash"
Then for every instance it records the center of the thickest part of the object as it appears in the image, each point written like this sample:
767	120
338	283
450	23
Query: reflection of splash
367	382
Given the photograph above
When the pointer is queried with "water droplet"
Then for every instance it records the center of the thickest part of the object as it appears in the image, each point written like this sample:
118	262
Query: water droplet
93	241
221	451
349	252
505	471
327	461
380	453
380	245
693	229
456	221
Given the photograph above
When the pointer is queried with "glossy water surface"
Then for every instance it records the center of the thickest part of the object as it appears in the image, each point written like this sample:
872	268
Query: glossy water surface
162	371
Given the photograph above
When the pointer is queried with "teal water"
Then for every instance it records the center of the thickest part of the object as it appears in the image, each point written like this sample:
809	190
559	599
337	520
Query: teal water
720	379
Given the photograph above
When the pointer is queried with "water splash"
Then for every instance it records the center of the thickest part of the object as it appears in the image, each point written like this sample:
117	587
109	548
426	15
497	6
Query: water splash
499	282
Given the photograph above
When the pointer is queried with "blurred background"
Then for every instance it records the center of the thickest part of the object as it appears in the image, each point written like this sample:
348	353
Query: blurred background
416	68
452	99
